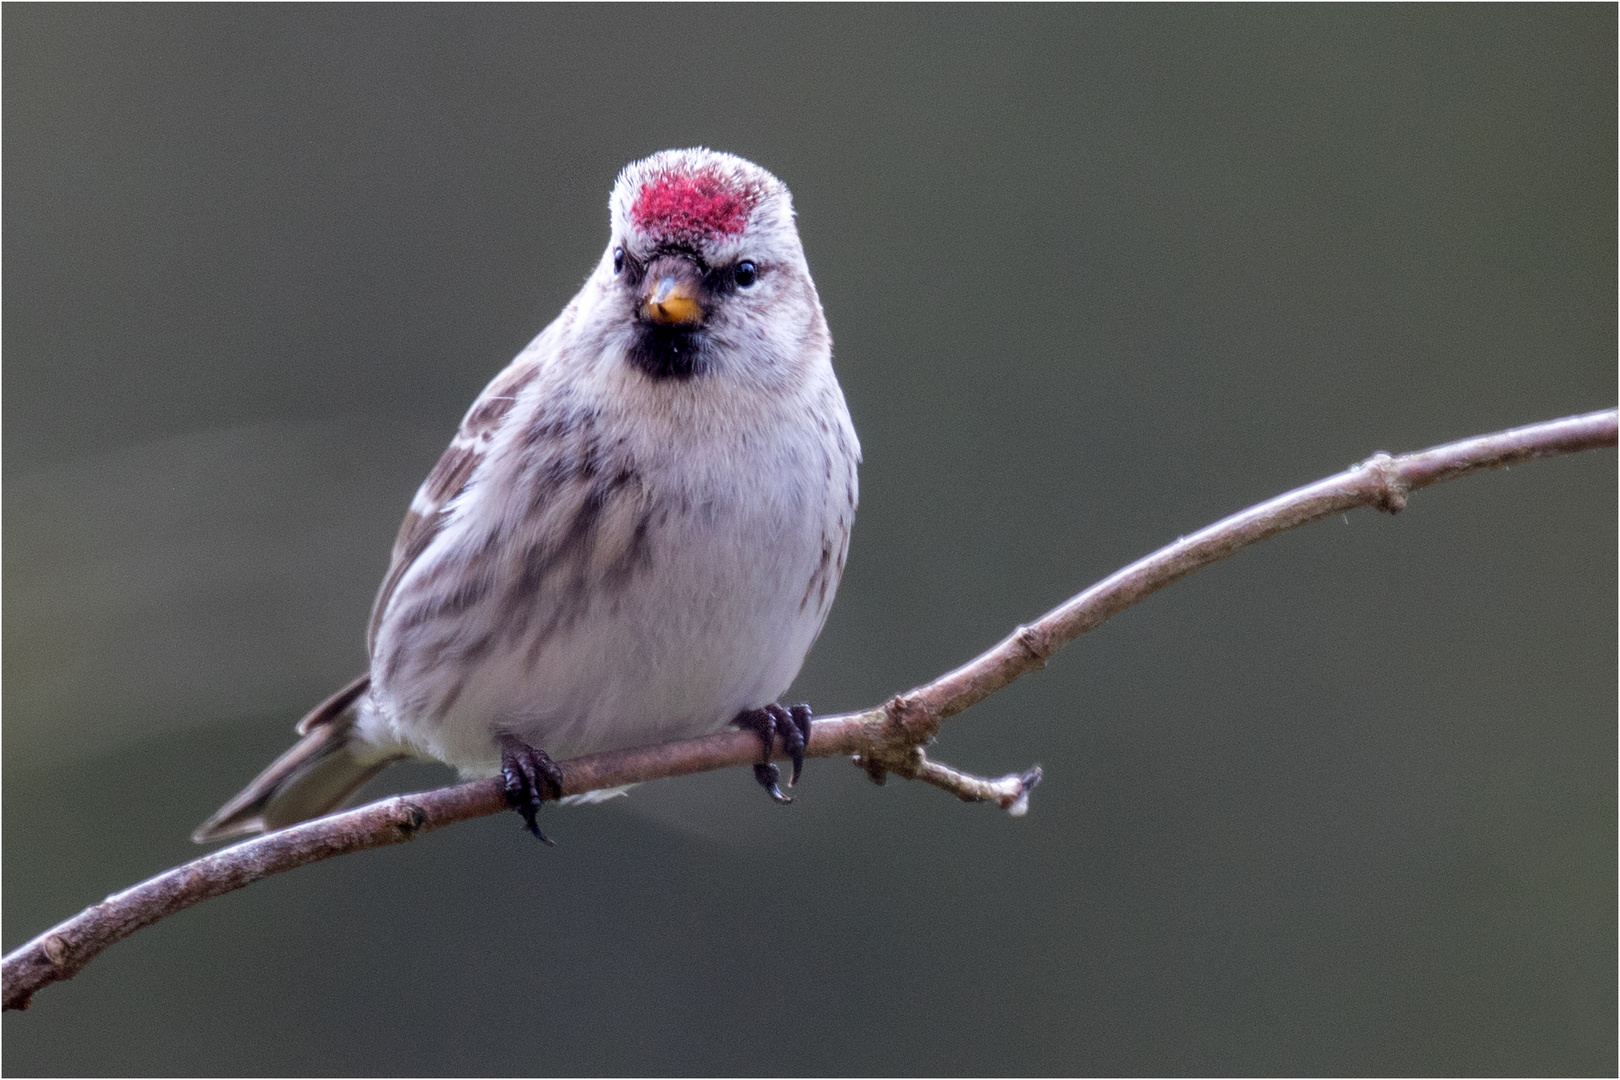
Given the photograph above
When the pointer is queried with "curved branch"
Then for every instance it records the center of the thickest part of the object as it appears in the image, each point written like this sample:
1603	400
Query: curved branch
885	739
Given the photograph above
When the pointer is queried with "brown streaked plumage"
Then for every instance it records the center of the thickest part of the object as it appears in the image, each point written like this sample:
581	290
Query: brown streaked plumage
450	474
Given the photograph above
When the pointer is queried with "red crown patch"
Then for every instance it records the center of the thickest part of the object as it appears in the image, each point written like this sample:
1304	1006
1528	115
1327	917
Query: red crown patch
692	204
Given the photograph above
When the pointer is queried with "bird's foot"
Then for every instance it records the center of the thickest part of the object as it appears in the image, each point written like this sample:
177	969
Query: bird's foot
531	778
792	726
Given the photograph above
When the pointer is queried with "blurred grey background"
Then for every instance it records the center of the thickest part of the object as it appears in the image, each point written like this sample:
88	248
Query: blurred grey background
1097	276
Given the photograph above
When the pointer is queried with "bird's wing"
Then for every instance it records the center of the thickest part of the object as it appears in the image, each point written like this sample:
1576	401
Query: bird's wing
448	479
335	708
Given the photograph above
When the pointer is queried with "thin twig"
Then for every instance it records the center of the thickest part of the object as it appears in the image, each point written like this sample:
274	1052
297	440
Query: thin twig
885	739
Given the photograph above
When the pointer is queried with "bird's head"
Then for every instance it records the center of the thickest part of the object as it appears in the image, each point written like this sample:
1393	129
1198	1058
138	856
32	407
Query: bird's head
705	264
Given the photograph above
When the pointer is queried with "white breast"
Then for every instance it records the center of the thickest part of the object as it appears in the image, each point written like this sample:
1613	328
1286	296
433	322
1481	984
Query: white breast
672	575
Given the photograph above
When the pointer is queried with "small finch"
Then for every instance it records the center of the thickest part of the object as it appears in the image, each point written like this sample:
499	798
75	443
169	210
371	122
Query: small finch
635	535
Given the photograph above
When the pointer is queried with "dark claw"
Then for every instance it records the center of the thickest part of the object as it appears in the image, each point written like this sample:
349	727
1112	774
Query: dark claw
774	722
800	715
531	778
768	774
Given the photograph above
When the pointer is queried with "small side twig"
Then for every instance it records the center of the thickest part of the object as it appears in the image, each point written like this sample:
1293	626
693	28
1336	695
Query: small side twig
1010	792
882	740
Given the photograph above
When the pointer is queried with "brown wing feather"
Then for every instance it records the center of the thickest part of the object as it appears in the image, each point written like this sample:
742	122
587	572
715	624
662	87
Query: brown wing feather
335	706
447	480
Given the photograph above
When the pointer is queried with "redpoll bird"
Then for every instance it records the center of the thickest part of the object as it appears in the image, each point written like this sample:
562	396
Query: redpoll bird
636	533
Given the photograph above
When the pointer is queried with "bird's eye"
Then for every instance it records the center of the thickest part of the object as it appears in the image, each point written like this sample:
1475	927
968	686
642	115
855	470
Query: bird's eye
618	260
745	274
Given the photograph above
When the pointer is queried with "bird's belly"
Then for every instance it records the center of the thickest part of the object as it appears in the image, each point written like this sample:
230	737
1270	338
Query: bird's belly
717	619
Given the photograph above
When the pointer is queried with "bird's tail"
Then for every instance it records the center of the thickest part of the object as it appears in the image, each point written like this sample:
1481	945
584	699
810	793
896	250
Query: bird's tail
318	773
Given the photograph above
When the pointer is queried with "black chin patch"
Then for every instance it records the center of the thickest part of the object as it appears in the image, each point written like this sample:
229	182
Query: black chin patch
668	352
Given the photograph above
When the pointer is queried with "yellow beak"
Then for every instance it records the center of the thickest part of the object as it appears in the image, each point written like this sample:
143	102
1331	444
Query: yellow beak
673	302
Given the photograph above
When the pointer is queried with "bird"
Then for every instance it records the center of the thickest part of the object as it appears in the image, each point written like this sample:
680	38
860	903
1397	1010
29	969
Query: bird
635	535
